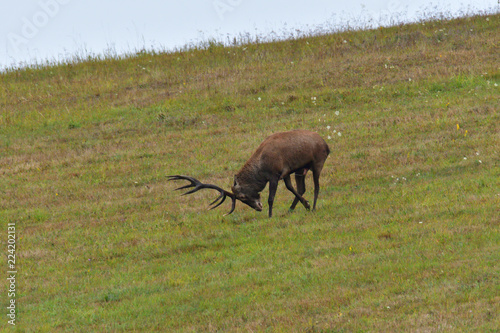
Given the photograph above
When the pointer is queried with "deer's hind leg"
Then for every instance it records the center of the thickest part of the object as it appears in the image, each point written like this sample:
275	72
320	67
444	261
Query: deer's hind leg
300	180
288	183
316	171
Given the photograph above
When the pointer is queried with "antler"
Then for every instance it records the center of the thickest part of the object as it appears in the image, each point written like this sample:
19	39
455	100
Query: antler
199	185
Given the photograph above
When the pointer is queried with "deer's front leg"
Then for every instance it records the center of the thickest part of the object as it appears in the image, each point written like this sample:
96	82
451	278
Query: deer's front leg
273	186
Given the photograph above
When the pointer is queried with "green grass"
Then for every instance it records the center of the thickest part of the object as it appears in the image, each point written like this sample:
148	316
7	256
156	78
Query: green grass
405	237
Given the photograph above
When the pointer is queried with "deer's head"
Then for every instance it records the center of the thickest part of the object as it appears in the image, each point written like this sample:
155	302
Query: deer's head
246	194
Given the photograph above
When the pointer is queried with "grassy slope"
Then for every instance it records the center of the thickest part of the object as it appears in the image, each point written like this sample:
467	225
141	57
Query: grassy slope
406	234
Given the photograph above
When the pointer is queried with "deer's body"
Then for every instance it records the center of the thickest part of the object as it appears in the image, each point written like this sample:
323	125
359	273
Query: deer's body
280	155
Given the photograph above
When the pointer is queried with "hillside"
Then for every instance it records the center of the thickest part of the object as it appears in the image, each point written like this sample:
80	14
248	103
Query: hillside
405	237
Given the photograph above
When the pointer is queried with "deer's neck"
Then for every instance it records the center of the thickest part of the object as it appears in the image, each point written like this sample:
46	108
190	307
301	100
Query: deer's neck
253	177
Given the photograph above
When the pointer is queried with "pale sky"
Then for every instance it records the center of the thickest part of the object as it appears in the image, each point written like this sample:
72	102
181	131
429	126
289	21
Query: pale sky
56	29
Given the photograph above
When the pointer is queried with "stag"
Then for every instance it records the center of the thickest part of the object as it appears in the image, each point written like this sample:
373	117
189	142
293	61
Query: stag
280	155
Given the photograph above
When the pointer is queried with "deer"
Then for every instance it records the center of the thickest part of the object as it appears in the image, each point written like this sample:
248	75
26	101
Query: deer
278	156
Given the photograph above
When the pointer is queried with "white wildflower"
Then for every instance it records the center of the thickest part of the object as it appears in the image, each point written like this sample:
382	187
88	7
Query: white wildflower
328	127
339	134
337	113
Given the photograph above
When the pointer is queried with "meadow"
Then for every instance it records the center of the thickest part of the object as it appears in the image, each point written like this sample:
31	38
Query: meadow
405	236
